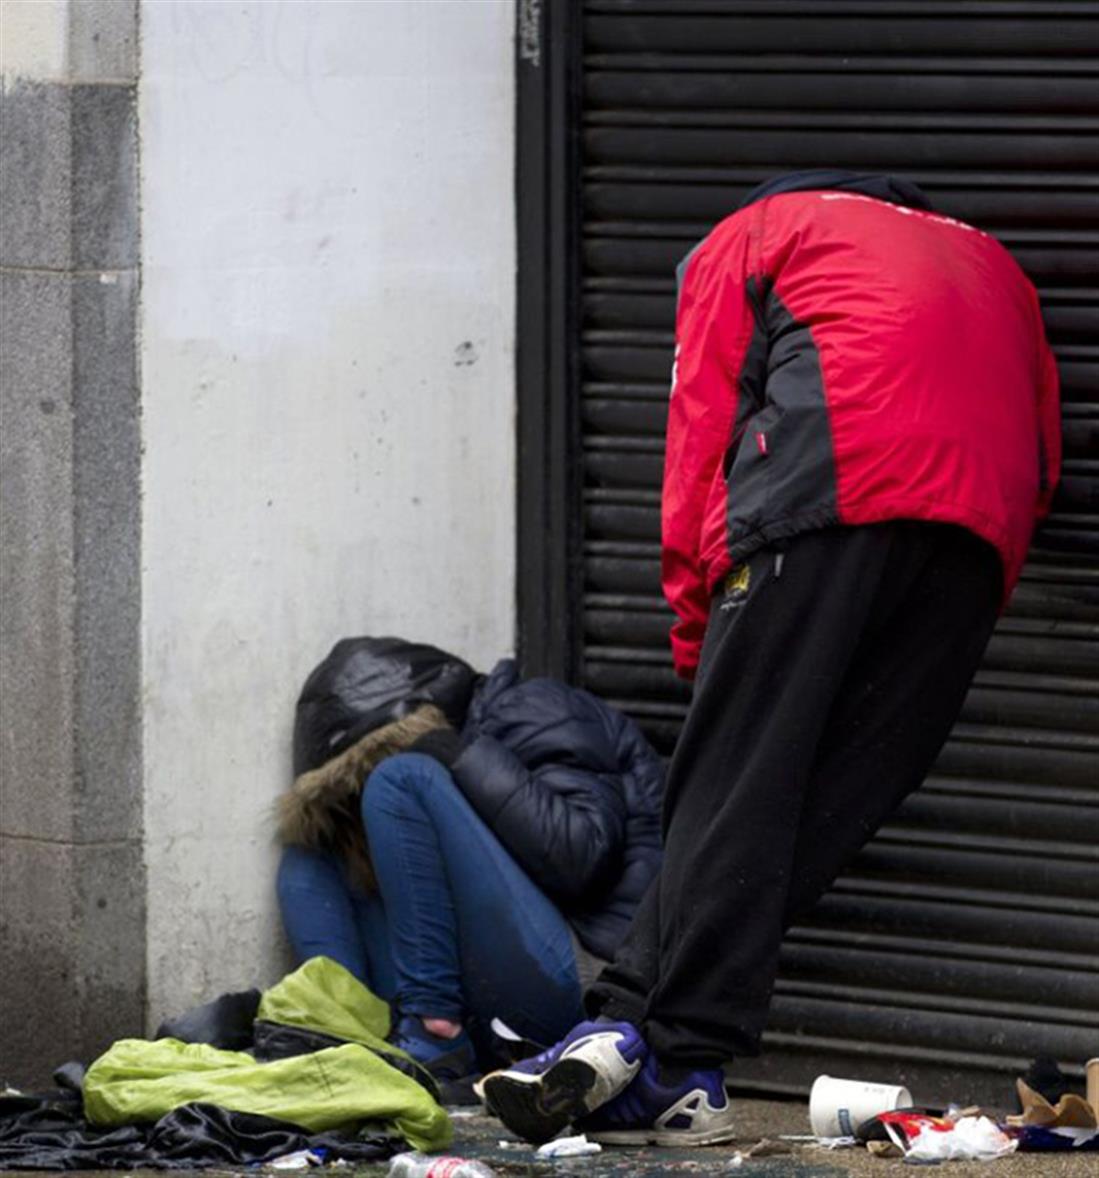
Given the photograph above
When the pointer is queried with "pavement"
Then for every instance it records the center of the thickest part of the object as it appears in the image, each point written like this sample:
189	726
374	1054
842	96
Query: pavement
482	1137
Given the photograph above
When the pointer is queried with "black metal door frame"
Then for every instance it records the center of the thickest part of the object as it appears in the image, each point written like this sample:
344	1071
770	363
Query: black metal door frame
549	572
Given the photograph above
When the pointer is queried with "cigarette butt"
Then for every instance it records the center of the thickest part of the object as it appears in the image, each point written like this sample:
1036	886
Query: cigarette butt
1092	1072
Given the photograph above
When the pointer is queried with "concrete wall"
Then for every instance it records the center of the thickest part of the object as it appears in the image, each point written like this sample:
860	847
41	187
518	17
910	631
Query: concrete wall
72	889
328	402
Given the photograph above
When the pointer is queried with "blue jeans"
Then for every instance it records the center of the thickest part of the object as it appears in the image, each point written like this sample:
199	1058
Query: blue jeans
457	928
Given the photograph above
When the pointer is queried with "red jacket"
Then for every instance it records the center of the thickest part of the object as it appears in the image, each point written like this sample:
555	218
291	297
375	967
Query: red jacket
844	360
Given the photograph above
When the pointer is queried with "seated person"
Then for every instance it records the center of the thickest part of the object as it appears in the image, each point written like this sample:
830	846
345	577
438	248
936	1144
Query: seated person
468	877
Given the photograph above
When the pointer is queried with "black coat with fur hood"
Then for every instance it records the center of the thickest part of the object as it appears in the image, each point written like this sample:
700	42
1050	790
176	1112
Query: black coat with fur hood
566	783
573	790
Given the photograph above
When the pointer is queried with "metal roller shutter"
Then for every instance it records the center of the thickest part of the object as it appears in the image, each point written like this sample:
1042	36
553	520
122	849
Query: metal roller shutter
964	941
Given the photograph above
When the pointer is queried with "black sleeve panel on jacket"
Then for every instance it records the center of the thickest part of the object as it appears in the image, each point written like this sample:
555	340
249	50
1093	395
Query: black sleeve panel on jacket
565	826
444	744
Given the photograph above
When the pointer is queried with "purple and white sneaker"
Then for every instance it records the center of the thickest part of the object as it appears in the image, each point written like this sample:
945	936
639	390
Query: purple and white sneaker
536	1098
695	1111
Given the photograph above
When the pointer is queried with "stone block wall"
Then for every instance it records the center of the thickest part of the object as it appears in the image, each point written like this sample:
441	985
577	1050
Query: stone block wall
72	891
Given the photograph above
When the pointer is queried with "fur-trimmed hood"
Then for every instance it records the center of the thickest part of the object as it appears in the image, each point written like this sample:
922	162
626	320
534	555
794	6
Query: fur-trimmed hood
321	808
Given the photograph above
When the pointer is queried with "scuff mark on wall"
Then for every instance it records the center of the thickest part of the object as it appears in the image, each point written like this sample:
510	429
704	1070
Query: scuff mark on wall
465	354
530	32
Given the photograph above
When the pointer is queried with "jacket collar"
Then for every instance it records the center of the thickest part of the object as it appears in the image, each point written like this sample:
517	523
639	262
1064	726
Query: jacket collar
891	188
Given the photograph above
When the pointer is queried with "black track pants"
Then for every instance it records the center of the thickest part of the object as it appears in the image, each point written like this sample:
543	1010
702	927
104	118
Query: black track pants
827	687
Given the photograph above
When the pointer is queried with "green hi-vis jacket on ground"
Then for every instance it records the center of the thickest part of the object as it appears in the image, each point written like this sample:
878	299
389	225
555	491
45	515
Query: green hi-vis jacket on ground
140	1080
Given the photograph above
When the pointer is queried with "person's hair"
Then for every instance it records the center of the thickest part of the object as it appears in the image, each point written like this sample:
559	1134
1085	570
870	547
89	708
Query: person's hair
321	810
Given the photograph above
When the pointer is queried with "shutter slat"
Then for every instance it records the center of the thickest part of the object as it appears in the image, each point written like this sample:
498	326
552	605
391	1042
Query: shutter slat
740	86
735	32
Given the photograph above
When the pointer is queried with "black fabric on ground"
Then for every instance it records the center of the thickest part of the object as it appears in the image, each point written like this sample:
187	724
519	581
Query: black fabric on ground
56	1137
274	1041
1045	1077
226	1022
823	696
16	1103
70	1075
50	1133
210	1135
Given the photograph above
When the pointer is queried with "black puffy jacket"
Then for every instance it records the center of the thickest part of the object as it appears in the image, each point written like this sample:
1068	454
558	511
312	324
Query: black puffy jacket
573	791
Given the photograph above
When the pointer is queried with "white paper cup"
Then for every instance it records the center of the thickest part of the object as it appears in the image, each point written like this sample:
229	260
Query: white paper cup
838	1107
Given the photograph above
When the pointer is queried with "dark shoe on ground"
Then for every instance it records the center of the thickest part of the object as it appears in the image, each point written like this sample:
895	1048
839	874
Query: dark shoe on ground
691	1111
460	1093
449	1061
536	1098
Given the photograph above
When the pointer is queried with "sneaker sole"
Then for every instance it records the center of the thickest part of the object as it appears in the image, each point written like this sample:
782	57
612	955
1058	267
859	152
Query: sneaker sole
666	1137
539	1107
